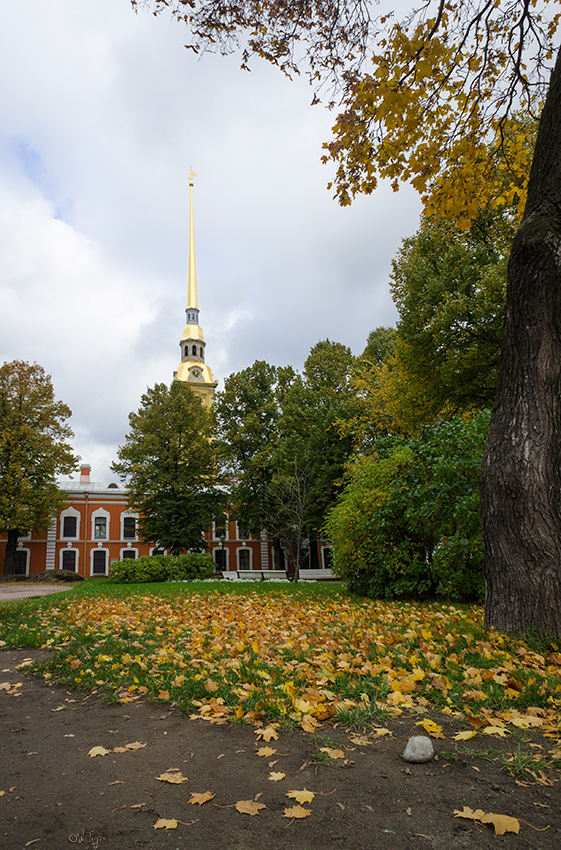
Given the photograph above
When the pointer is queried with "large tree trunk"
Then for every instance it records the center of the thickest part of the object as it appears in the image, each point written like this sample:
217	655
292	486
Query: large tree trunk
521	478
11	549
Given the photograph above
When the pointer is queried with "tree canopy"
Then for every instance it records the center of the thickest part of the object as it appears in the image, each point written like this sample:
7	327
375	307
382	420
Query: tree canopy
168	464
33	452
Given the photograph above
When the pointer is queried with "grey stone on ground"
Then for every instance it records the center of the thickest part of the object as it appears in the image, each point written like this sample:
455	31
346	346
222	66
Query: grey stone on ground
419	749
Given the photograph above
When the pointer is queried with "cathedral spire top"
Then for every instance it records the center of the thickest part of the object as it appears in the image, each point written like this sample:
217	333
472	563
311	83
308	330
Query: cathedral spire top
192	300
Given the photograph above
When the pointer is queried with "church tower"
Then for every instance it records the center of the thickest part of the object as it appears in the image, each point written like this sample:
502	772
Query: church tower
192	367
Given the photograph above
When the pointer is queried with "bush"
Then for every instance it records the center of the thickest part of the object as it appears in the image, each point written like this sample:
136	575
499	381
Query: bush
408	523
193	565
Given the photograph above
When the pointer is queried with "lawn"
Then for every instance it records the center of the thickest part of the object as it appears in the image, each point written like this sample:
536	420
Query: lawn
290	654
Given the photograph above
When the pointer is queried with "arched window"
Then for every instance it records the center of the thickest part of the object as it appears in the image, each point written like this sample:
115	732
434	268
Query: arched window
194	350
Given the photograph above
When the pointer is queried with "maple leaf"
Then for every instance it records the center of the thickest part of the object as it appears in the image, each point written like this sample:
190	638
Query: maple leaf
174	778
276	776
297	812
495	730
165	823
501	823
380	732
268	734
199	799
332	754
98	751
249	807
309	723
266	751
303	796
136	745
164	695
434	730
360	741
465	735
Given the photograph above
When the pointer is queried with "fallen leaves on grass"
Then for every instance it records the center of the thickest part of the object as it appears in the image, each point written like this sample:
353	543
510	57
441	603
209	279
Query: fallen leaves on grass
501	823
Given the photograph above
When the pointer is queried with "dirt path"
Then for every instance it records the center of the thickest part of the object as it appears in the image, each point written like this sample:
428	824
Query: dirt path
56	795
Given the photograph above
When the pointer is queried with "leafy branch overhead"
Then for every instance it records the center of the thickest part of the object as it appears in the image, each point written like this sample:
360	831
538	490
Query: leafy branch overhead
427	98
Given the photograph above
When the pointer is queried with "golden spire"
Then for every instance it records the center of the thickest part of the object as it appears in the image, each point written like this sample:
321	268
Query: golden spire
192	367
192	300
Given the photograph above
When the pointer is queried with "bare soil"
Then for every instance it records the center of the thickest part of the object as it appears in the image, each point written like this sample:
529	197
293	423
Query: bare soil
56	795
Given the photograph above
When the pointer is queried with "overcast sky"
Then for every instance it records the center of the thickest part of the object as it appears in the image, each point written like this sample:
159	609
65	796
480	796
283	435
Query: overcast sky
103	114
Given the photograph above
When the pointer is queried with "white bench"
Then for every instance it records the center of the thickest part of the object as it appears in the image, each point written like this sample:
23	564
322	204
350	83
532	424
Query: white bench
255	575
315	575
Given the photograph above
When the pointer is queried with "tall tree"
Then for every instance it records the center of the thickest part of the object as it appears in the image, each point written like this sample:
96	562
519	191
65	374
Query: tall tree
168	464
248	412
435	110
33	451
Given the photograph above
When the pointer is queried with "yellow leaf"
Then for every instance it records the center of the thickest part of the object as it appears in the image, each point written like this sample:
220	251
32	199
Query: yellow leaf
98	751
382	731
199	799
266	751
174	778
465	735
429	726
360	741
268	734
303	796
276	777
309	723
163	695
249	807
211	685
333	754
164	823
502	823
136	745
297	812
495	730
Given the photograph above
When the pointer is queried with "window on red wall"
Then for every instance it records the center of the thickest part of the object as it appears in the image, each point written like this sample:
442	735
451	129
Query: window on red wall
69	526
69	560
99	565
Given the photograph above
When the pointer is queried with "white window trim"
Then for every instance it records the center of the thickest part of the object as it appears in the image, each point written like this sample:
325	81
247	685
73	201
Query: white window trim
226	553
27	555
70	512
99	549
128	549
226	528
101	512
71	549
129	515
244	549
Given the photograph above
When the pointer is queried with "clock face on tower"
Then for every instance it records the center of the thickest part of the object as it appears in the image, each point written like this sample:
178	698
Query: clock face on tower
195	374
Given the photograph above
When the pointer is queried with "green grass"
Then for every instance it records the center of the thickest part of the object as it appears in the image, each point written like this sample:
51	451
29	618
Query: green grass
278	652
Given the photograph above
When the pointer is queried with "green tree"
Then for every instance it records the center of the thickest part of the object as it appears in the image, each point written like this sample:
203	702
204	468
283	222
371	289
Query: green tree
408	520
436	110
33	451
168	464
380	345
248	412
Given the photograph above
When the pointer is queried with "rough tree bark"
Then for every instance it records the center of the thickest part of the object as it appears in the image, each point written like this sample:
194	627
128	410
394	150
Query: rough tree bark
11	549
521	477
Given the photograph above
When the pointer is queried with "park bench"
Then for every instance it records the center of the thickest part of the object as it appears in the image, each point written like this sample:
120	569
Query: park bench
255	575
316	575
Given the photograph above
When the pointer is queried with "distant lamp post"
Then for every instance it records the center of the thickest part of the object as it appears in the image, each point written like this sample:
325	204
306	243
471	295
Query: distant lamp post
222	565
